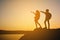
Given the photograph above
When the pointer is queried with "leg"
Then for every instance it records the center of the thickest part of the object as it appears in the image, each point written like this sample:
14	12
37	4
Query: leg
45	24
48	25
36	24
39	24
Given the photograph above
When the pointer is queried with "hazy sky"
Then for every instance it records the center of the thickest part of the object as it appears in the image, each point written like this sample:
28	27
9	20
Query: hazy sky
16	14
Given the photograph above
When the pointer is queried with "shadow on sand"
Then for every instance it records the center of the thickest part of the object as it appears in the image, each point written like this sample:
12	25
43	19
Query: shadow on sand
42	34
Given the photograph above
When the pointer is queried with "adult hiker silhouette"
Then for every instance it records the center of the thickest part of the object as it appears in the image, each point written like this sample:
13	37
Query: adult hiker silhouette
36	18
47	18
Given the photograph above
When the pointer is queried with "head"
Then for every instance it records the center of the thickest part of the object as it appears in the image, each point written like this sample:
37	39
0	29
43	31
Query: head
47	10
37	10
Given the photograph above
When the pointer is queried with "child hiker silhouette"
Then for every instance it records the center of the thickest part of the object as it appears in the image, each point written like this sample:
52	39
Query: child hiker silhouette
36	18
47	18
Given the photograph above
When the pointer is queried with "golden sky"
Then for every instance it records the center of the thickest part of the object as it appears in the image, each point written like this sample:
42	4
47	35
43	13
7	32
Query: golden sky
16	14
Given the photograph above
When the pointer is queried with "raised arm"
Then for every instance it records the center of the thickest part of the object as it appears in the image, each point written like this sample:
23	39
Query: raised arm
42	11
33	12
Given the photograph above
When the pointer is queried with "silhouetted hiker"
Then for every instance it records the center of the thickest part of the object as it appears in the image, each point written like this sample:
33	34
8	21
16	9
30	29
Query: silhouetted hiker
47	18
36	18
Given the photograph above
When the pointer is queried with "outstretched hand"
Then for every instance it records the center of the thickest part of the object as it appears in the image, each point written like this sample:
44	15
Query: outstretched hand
42	11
